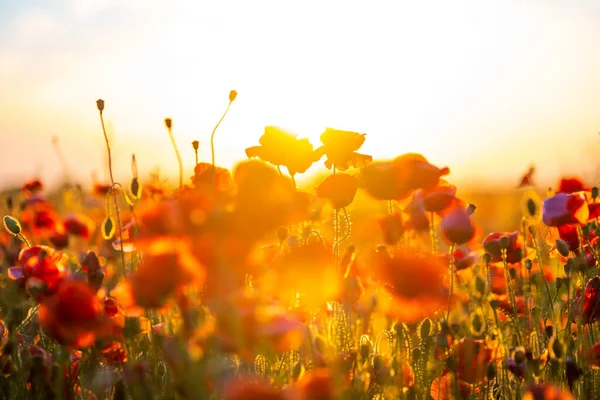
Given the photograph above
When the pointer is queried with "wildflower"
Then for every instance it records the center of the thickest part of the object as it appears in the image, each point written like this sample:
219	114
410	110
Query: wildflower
248	390
73	315
392	227
463	258
414	171
415	281
32	187
437	198
340	148
282	148
339	189
318	385
570	185
563	208
39	265
591	302
472	358
379	180
457	226
492	245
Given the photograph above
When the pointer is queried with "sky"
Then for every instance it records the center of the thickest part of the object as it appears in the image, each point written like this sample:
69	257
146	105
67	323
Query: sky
487	88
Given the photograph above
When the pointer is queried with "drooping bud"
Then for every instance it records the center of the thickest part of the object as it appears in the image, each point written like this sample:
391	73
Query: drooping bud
562	247
11	225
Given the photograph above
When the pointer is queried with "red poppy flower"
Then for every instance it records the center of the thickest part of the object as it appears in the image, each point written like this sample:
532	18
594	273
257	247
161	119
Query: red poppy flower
437	198
340	189
205	179
78	225
39	264
248	390
514	251
457	226
340	148
443	387
570	185
570	235
463	258
317	385
417	217
282	148
592	356
591	301
472	357
416	281
115	353
39	216
563	208
74	316
32	186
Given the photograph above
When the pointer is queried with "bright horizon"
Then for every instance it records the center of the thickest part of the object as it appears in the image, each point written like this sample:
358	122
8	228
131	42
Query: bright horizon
484	88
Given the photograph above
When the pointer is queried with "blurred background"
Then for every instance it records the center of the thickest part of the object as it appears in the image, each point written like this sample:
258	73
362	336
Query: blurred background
486	88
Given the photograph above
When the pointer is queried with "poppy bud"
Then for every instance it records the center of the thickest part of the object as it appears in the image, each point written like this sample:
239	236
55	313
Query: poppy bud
108	228
100	105
528	264
490	371
487	258
365	351
168	123
425	328
520	355
585	231
11	225
594	192
494	303
480	285
504	242
558	283
471	209
531	207
232	95
9	203
532	229
195	145
562	247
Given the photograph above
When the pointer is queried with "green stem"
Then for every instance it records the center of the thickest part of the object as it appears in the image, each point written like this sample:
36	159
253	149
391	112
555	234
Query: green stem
451	280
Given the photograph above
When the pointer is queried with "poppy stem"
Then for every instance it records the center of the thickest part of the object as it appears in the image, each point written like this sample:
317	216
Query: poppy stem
433	236
112	181
212	139
512	298
179	161
451	280
539	260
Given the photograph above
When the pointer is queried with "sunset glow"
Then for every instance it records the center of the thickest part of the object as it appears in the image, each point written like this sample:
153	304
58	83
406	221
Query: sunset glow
471	84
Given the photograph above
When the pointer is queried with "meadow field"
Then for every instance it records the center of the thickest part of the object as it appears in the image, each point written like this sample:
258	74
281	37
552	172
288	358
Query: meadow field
379	280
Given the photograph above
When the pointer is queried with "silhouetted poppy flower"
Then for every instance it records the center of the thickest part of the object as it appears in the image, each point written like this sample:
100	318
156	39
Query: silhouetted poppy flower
205	179
563	208
74	316
340	189
41	264
457	226
392	227
416	282
543	391
591	301
340	148
472	357
514	251
282	148
417	217
78	225
570	185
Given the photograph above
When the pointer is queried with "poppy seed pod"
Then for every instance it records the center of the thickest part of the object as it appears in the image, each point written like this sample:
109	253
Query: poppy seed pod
196	145
168	123
562	247
100	105
594	192
232	95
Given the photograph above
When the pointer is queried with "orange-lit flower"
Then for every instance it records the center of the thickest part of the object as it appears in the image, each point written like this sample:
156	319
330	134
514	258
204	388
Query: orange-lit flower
340	189
379	180
414	171
39	265
444	387
282	148
472	357
592	356
570	185
115	353
514	250
340	148
416	282
543	391
167	266
318	385
569	233
417	217
74	316
78	225
564	208
205	179
39	216
457	226
463	258
245	321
